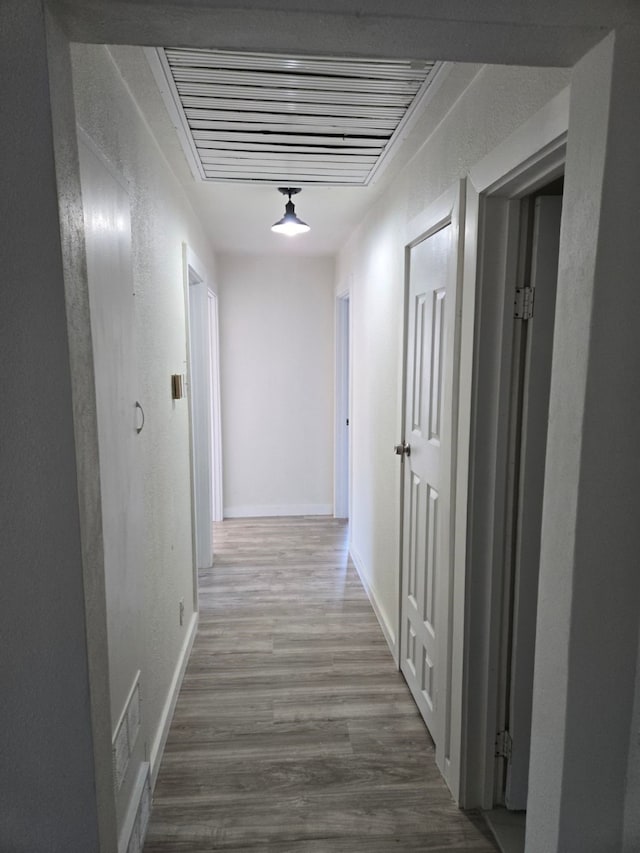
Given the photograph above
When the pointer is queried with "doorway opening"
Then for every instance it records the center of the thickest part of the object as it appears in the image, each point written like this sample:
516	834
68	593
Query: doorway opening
342	409
534	273
204	410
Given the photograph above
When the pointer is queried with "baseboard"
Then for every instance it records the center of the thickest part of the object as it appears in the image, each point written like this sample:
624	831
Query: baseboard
389	633
172	697
277	510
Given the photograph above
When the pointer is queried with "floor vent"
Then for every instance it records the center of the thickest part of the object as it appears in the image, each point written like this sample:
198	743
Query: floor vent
136	822
126	733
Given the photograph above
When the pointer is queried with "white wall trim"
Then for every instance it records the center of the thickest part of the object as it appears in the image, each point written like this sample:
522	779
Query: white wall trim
93	146
266	511
164	79
387	630
433	217
511	161
172	697
426	94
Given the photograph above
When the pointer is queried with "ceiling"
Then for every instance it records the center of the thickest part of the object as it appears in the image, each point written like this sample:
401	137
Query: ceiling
238	216
285	118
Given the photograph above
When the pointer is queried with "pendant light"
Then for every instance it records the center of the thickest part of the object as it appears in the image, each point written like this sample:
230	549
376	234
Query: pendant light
290	224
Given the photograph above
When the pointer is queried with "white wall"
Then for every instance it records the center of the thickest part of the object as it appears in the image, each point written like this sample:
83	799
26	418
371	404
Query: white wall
161	220
584	740
48	788
276	358
496	102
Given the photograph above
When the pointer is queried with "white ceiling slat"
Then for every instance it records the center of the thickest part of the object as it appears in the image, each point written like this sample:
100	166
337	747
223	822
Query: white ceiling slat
256	93
299	107
285	166
199	118
287	119
278	175
384	69
238	148
297	123
337	140
271	157
209	154
292	138
279	178
270	81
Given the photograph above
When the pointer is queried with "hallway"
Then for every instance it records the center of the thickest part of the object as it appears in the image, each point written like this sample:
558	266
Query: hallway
293	730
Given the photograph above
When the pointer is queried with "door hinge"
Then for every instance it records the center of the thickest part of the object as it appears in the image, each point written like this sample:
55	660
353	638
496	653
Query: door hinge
523	303
504	745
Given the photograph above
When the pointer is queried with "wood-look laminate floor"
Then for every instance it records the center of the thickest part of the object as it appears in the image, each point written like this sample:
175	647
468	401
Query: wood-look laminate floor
293	730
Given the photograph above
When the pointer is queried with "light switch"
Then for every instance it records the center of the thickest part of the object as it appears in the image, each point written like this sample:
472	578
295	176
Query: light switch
177	392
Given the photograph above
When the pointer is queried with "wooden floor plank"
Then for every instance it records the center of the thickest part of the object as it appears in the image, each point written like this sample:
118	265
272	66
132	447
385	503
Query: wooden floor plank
293	731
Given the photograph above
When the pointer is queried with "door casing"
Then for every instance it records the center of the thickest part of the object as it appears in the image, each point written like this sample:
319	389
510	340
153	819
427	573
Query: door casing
342	449
528	160
204	410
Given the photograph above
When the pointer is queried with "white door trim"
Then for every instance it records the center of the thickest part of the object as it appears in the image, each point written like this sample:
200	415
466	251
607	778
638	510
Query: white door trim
216	420
530	158
195	288
342	450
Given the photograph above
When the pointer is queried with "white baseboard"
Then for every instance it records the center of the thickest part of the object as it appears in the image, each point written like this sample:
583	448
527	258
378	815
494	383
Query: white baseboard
172	697
389	633
277	510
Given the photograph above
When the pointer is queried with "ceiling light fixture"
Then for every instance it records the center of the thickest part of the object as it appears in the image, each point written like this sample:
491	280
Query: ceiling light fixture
290	224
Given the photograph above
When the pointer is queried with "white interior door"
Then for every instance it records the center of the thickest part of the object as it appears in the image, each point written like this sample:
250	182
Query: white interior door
430	425
533	441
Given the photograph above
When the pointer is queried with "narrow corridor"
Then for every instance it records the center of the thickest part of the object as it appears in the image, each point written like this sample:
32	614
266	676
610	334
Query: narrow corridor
293	730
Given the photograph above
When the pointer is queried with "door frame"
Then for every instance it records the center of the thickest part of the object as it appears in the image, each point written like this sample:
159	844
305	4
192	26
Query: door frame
532	157
199	388
342	443
217	508
448	208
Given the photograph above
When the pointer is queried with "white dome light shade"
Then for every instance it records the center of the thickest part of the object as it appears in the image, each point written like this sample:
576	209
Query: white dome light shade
290	225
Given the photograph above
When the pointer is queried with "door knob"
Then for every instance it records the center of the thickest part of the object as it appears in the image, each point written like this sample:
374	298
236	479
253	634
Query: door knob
403	449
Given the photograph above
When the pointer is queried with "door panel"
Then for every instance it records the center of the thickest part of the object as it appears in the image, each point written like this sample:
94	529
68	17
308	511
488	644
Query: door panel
430	390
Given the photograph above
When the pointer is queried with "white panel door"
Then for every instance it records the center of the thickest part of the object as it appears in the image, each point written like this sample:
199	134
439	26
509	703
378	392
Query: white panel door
111	300
430	424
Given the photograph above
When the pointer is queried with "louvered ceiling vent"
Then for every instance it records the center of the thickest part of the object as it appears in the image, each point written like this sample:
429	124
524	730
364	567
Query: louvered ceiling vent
288	119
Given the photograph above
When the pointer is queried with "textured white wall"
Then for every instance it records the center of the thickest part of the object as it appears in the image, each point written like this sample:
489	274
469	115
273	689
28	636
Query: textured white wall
48	787
585	741
371	264
276	358
161	219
